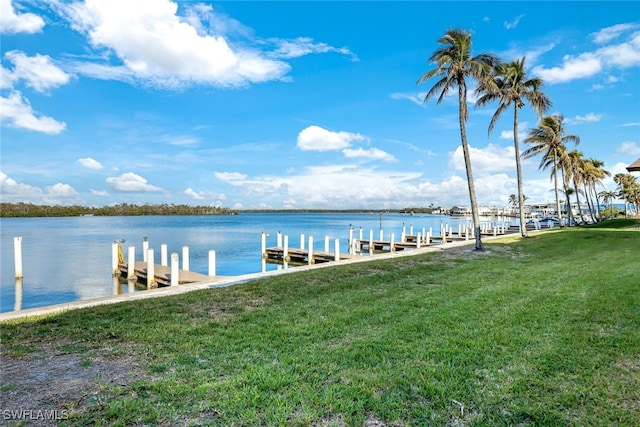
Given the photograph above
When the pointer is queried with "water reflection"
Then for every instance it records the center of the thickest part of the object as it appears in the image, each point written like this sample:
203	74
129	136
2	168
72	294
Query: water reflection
18	294
69	259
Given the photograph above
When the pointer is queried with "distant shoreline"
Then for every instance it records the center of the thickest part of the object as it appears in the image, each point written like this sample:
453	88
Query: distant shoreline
28	210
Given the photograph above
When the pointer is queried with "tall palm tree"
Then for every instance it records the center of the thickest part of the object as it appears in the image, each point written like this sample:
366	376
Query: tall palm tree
454	63
607	197
588	186
549	139
595	173
575	172
629	189
514	88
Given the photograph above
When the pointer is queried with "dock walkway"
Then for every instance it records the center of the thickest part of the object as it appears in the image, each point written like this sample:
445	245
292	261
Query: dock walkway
162	275
301	256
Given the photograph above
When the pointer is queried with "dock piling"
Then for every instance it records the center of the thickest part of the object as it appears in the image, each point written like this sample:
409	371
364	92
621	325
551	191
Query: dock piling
151	273
212	262
145	247
131	263
175	269
370	242
17	256
115	258
17	305
351	248
185	258
163	255
285	251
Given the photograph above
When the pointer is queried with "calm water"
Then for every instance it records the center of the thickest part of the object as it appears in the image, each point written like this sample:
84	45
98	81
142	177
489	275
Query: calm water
69	259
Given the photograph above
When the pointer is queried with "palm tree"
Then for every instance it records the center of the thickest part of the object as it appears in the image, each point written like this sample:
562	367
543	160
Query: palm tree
513	87
595	173
549	140
629	189
607	197
454	63
575	172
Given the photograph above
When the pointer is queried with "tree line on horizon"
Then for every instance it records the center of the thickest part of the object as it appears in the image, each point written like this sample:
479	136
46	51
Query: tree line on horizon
21	209
8	210
507	84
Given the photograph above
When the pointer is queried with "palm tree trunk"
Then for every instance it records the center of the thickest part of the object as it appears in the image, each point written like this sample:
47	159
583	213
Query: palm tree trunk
587	194
575	186
567	195
555	185
462	97
516	144
598	210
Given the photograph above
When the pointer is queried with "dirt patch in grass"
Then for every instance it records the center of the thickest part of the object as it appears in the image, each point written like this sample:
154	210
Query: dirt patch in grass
52	384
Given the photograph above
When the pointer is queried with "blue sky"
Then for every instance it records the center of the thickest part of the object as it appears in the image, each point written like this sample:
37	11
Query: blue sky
294	104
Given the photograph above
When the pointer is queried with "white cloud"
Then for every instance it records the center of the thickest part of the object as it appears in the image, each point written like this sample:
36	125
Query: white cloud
17	112
628	148
370	154
158	47
38	71
490	159
368	188
180	140
304	46
9	187
532	53
13	23
6	78
189	192
100	193
57	194
581	66
514	23
130	182
620	167
588	118
318	139
623	55
605	35
61	190
206	195
90	163
416	98
508	134
232	178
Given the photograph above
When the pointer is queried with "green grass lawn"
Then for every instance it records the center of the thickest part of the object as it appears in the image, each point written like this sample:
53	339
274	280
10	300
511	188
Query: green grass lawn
537	331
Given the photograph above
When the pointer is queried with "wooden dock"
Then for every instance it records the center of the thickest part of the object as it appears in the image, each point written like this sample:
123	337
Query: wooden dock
300	256
162	275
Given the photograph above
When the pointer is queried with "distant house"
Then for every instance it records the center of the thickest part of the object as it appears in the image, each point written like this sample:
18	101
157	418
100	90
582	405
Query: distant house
634	167
460	211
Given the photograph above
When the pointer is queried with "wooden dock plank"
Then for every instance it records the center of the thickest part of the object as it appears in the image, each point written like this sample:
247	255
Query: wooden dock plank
162	274
301	256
